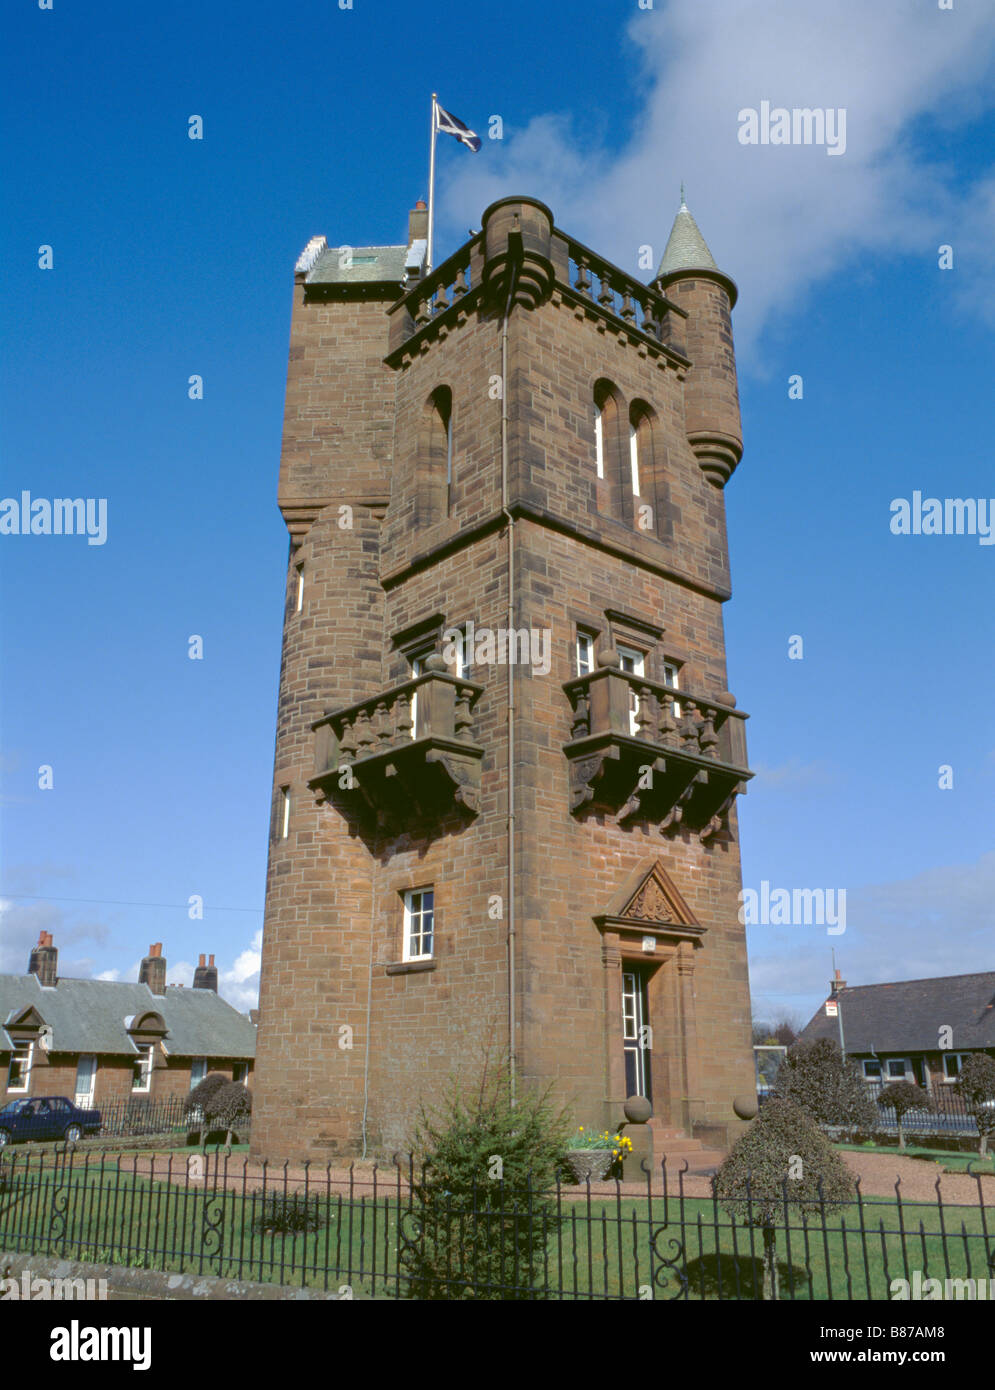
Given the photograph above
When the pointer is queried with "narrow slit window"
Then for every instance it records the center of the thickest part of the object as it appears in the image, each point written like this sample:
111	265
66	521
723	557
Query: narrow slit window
634	456
300	588
284	812
599	442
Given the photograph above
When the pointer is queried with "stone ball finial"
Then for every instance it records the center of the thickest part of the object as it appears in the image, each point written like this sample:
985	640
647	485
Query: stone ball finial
637	1110
727	698
436	662
608	656
746	1107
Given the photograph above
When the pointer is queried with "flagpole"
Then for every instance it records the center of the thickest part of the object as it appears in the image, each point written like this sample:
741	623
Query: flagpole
431	189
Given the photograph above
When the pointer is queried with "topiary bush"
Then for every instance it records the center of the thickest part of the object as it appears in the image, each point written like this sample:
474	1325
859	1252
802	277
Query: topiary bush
783	1163
199	1098
903	1096
480	1219
976	1084
816	1078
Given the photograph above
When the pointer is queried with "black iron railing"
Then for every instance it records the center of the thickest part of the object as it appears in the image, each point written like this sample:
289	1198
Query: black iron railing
210	1213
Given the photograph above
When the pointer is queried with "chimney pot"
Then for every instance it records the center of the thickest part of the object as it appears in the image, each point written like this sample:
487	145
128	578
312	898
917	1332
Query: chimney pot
152	971
210	960
200	962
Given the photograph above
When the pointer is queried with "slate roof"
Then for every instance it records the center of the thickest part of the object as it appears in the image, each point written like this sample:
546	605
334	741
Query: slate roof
387	266
686	248
89	1016
906	1015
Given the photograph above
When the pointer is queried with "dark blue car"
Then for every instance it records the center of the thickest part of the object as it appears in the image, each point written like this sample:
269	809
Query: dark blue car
46	1117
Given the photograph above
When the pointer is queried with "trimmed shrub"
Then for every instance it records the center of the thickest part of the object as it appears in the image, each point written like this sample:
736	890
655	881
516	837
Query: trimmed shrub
903	1096
815	1077
783	1163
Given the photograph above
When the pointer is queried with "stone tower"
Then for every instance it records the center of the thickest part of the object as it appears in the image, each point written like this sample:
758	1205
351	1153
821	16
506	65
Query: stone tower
506	756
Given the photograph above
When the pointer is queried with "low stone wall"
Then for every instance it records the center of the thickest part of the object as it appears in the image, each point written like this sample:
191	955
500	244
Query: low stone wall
123	1283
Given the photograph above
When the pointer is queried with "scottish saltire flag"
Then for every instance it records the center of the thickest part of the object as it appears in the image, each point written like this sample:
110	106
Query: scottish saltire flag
452	125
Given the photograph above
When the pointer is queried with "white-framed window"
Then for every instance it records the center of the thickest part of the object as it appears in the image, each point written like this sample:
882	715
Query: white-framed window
284	812
599	442
872	1069
19	1071
896	1068
198	1070
952	1063
419	923
240	1072
585	653
141	1078
634	456
671	677
86	1076
634	662
300	588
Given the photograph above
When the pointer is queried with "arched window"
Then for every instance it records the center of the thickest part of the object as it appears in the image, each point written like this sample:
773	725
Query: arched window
650	505
435	457
609	447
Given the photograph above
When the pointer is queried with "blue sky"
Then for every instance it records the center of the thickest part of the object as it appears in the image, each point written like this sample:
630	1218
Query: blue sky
174	257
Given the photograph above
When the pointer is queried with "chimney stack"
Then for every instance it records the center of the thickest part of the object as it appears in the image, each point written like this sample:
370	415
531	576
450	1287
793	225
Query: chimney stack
418	222
152	971
44	960
206	976
837	983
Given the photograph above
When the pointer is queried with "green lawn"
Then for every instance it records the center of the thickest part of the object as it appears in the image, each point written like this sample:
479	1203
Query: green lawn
950	1161
596	1250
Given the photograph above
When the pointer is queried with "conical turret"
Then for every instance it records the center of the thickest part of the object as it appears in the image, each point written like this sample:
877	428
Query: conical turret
689	276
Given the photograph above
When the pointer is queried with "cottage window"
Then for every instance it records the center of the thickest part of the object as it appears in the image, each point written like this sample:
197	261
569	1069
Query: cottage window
419	923
141	1079
19	1071
872	1069
952	1063
198	1070
896	1068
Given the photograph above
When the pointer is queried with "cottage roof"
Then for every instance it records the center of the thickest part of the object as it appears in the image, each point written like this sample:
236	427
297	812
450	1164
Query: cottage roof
906	1015
91	1016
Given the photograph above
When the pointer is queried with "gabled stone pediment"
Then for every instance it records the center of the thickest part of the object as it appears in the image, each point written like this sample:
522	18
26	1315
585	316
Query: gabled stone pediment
649	901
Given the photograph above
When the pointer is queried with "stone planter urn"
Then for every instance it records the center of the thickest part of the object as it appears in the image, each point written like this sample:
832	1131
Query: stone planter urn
590	1164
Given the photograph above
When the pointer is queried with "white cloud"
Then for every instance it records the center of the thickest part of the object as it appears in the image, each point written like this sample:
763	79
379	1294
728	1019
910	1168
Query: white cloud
240	984
777	218
938	922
